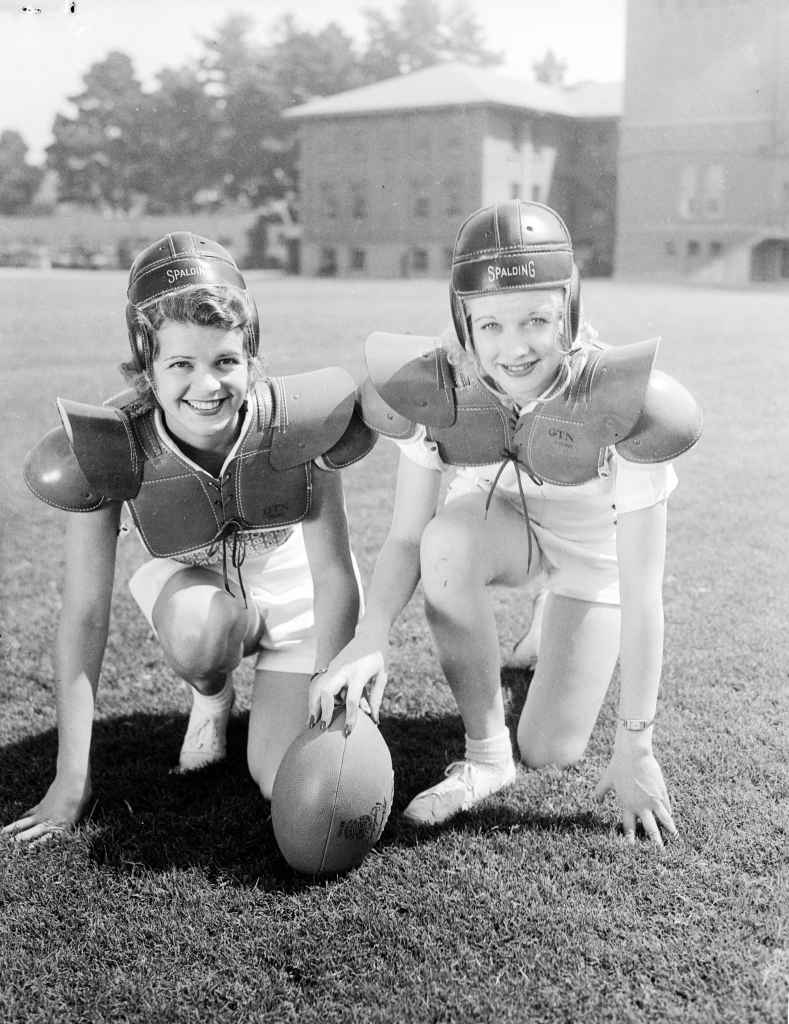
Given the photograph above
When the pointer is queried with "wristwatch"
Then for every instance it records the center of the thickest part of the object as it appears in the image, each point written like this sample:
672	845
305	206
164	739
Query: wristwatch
636	724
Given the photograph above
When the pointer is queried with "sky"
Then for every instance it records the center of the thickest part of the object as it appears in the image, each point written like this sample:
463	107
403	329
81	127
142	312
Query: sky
47	47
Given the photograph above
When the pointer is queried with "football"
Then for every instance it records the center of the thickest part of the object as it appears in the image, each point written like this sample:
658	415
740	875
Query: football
332	796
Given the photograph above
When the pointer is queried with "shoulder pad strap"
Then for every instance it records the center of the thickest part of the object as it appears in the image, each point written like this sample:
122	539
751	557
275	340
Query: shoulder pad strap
412	375
670	423
104	446
128	401
381	417
357	441
52	473
311	413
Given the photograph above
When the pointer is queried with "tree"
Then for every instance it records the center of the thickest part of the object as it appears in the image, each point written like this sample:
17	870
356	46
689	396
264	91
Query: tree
98	153
251	148
179	125
304	64
421	34
19	180
550	70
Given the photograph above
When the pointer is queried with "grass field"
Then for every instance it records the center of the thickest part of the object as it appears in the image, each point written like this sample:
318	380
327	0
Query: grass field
172	903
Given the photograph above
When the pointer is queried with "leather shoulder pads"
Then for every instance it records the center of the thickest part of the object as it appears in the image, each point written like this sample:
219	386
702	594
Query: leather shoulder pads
53	474
357	441
670	422
412	375
105	448
311	413
89	460
381	417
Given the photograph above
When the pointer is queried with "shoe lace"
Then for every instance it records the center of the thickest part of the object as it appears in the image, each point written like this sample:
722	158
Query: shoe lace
462	770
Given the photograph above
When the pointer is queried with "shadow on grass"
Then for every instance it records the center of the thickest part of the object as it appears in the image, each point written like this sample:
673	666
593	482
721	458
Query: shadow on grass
143	817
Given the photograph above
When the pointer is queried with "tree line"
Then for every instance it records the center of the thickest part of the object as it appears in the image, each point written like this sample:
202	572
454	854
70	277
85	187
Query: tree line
212	131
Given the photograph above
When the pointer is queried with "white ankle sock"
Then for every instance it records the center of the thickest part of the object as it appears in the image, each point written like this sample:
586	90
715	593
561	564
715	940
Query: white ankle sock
492	751
213	703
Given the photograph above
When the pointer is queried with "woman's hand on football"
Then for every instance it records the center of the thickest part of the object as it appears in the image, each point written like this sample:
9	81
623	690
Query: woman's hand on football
352	677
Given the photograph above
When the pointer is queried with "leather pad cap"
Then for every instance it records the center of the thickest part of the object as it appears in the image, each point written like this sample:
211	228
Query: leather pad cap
615	383
179	260
182	272
357	441
52	473
670	422
311	413
491	272
412	374
381	417
104	447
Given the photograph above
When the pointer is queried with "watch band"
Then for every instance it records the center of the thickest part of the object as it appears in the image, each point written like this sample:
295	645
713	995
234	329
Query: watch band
636	724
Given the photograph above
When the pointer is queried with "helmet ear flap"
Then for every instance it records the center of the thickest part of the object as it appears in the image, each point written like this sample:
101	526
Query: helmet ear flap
139	338
574	303
459	318
253	326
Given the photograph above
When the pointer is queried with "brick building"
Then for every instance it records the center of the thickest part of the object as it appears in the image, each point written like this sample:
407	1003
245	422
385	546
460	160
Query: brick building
389	170
703	177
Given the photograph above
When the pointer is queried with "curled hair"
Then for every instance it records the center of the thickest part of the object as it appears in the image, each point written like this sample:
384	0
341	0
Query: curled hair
465	359
219	306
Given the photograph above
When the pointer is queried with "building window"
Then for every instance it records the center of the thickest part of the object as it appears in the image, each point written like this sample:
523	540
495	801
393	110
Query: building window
452	188
359	202
329	201
669	248
515	191
419	260
688	185
516	133
693	247
358	259
716	248
422	206
328	264
714	186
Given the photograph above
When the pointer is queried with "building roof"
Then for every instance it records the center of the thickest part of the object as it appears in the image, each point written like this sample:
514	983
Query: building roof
454	84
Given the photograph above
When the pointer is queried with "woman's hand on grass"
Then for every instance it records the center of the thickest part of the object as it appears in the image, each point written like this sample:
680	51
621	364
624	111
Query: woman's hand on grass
61	808
355	672
635	778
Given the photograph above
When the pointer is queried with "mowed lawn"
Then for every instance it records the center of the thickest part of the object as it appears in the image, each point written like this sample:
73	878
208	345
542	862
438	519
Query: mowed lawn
171	901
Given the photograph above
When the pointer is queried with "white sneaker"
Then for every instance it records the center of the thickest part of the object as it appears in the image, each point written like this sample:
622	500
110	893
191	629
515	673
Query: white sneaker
466	783
205	741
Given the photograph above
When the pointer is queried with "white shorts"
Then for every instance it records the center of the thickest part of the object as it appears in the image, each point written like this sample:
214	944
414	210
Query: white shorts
563	566
278	582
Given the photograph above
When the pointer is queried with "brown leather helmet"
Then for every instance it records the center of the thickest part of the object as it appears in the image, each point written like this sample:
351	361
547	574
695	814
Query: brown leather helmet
177	261
508	246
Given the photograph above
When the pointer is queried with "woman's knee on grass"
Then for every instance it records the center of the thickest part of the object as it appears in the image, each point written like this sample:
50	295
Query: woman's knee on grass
202	634
539	746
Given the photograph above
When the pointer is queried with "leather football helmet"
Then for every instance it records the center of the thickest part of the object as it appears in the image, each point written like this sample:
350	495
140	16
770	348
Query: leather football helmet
179	260
513	245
